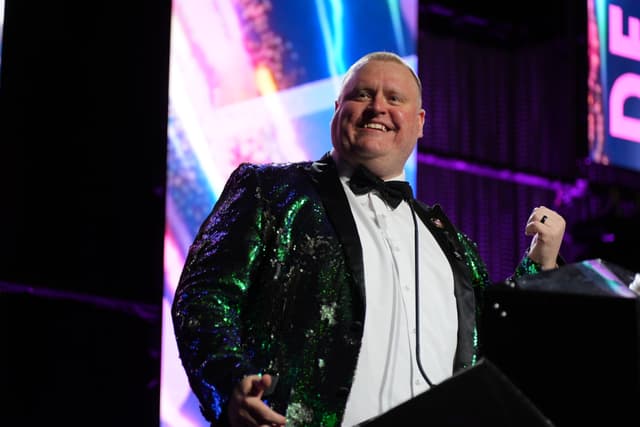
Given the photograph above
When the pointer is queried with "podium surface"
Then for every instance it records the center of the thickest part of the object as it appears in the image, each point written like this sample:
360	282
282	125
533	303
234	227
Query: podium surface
569	339
477	396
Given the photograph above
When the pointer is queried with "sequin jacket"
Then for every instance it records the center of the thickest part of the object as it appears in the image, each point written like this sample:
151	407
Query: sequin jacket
274	283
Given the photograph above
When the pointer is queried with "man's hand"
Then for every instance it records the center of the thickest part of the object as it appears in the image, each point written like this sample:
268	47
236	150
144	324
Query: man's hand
547	228
246	407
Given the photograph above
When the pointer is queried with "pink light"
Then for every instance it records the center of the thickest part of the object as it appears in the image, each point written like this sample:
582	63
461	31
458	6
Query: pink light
619	44
174	384
173	262
620	126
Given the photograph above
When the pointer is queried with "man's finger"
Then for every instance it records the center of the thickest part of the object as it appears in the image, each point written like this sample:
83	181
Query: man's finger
261	412
247	408
260	384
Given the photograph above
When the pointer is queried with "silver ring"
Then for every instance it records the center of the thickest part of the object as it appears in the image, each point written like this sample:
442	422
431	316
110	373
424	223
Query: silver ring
544	218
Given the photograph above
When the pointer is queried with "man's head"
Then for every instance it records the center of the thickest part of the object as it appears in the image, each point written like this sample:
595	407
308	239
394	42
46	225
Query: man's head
378	116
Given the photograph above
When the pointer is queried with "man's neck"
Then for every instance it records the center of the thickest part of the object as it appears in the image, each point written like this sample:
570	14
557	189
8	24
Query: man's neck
346	169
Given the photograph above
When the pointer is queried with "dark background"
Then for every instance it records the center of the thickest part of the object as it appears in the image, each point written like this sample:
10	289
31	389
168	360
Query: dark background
505	90
83	112
83	137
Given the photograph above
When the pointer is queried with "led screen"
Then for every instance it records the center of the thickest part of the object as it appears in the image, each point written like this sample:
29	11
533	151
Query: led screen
614	82
254	81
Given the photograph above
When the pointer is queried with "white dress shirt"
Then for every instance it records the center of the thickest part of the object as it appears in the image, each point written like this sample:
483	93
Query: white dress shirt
387	373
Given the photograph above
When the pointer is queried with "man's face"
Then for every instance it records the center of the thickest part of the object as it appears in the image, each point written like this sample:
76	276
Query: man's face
378	119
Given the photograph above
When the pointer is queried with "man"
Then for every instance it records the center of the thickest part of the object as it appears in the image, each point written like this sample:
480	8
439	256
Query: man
297	300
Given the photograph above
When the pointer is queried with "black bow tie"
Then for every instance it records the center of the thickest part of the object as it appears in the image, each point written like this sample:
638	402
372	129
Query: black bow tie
393	192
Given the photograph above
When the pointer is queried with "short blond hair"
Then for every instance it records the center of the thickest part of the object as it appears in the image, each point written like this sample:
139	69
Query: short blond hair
381	56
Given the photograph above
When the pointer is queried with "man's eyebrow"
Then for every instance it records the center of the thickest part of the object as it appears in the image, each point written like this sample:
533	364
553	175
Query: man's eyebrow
356	89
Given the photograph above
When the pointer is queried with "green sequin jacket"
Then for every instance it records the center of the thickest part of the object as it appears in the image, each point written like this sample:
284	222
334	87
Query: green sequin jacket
274	283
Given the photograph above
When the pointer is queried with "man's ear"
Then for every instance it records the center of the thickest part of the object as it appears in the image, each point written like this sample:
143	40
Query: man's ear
422	113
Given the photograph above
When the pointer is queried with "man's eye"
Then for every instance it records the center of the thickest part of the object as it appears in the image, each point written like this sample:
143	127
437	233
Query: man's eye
362	94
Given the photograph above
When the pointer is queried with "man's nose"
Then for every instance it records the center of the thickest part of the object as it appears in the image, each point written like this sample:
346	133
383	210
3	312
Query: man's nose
378	103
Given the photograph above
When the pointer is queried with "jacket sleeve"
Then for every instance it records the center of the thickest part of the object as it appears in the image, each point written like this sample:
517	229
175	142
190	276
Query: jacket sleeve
526	266
208	305
529	266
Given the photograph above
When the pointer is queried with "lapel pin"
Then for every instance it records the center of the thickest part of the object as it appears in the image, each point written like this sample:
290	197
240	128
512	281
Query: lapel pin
437	222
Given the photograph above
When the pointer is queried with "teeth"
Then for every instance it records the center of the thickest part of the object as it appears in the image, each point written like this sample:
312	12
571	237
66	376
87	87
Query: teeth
376	126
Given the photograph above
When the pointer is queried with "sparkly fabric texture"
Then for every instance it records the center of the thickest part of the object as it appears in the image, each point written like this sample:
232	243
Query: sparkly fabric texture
479	273
273	284
265	289
526	266
479	280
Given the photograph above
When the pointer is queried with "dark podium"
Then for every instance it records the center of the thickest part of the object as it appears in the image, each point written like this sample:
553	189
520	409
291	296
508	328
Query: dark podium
478	396
569	339
560	348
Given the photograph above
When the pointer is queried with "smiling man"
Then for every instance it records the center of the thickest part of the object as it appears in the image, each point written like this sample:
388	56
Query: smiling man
378	117
297	302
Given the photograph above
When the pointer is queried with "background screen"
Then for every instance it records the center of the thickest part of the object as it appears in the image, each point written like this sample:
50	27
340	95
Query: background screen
614	82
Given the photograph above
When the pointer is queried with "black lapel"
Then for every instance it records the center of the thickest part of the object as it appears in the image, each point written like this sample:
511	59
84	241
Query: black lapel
447	237
325	176
442	229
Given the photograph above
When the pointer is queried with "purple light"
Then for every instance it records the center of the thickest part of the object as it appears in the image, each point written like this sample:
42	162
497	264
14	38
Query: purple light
146	312
474	20
608	238
439	10
565	191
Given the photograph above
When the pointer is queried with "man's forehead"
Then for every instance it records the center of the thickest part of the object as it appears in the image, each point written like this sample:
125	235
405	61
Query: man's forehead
356	77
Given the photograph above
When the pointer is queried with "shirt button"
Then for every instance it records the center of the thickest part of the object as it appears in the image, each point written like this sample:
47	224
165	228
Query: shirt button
417	382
